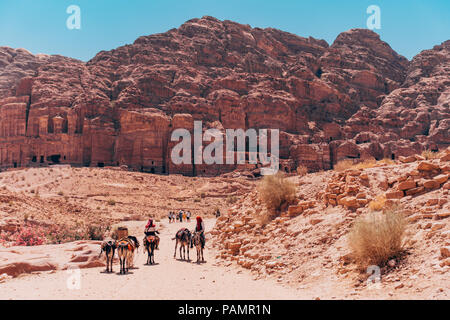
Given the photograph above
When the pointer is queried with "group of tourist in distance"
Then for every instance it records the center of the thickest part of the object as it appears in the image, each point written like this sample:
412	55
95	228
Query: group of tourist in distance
180	216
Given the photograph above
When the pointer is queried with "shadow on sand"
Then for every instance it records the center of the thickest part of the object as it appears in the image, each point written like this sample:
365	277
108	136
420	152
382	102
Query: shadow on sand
183	260
123	274
107	272
150	265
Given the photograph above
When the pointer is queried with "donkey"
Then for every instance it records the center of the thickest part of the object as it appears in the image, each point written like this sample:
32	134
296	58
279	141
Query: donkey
183	237
197	242
134	245
123	246
109	247
150	244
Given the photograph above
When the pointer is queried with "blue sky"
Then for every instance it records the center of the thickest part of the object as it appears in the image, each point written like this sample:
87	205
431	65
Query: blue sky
39	26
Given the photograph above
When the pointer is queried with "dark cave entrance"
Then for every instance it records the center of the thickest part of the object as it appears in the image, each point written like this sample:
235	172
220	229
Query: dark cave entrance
100	165
55	158
319	73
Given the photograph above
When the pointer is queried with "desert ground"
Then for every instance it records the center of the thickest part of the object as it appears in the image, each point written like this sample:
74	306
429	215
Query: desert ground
169	278
301	254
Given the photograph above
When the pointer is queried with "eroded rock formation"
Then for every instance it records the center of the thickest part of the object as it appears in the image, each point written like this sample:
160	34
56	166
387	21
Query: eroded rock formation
354	99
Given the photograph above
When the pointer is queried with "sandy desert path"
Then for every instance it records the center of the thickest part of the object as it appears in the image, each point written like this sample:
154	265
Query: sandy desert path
167	279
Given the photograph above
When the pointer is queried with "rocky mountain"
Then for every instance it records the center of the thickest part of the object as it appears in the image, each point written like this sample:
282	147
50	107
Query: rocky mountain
356	98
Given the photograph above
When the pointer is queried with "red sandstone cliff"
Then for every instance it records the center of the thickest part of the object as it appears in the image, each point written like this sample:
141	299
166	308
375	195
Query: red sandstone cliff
356	98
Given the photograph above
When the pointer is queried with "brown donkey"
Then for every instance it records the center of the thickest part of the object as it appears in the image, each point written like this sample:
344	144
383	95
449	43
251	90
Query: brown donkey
123	246
150	244
197	242
109	247
183	237
132	250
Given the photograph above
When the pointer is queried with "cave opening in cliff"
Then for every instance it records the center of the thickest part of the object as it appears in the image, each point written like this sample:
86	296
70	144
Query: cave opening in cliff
15	164
100	165
393	156
319	73
34	159
55	158
42	159
152	170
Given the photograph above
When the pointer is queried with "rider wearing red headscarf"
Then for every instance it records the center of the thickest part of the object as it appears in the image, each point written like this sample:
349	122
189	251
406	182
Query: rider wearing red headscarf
200	227
150	230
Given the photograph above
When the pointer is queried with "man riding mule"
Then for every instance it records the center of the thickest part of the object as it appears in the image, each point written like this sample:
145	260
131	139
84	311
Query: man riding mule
150	244
150	230
200	228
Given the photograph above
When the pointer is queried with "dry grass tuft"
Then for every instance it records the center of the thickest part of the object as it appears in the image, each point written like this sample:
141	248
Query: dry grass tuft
343	165
302	171
277	193
430	155
378	203
377	237
387	161
366	164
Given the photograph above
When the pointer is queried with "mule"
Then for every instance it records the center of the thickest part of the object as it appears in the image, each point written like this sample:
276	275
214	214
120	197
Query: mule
150	244
183	237
197	242
109	248
134	246
123	246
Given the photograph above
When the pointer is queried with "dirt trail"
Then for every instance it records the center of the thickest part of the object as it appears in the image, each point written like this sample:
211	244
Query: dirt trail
168	279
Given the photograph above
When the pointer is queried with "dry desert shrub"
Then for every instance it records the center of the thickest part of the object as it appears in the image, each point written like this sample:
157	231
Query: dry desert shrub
377	237
430	155
386	161
378	203
302	171
343	165
276	192
366	164
114	233
94	232
232	199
